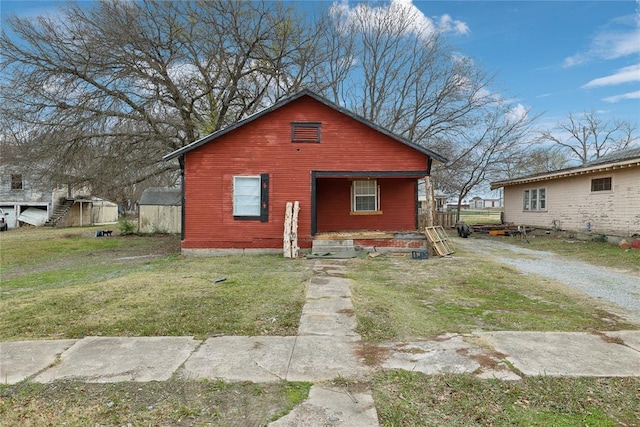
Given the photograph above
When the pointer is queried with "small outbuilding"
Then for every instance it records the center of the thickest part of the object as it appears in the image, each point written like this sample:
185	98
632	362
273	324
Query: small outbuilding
89	211
160	211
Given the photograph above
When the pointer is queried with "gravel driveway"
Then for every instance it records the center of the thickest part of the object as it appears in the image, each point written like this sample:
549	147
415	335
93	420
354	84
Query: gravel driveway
602	283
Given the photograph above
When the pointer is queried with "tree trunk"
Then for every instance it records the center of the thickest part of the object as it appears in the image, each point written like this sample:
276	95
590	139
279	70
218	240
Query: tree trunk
431	205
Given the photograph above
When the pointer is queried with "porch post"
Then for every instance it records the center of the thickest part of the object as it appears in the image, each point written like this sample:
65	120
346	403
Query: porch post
314	214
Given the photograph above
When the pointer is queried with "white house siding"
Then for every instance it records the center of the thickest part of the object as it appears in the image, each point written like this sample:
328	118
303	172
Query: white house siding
573	206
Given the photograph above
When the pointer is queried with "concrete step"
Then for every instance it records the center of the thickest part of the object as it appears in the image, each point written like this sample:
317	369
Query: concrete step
332	246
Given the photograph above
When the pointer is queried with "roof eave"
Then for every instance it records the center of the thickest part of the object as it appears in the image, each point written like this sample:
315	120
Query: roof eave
292	98
564	173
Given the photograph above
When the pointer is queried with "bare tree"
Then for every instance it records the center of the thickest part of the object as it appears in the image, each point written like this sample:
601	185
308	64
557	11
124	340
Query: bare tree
500	137
99	94
403	75
105	91
587	137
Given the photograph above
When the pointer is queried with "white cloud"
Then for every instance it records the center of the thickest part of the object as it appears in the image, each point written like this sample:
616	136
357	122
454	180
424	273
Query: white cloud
447	24
623	75
516	113
619	39
398	16
622	97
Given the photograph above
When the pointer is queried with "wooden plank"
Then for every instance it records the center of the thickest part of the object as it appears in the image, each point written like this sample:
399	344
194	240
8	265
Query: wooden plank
295	249
288	216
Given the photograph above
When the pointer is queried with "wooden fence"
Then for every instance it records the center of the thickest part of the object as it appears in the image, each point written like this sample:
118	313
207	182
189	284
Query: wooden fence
445	220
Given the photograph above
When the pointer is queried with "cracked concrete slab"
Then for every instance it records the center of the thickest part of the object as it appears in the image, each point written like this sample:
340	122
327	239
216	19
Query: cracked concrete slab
629	338
333	287
571	354
328	324
114	359
20	360
320	358
231	358
449	355
332	406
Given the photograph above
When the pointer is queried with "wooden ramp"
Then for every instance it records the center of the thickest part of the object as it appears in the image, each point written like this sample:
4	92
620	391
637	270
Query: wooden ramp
439	240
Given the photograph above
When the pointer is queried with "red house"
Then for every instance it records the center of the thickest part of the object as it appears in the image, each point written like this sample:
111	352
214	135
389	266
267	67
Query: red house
348	174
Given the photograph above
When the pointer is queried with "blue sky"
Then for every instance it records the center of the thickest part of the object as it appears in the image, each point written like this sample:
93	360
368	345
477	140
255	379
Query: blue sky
556	57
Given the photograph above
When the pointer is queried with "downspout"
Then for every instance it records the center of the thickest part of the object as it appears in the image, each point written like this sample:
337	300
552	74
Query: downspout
183	209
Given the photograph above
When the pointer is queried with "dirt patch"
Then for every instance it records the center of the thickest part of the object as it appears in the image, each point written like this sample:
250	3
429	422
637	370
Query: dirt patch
372	354
487	359
608	339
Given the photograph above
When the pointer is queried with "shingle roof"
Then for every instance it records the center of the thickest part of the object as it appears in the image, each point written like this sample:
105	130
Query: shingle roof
617	156
615	160
161	197
304	92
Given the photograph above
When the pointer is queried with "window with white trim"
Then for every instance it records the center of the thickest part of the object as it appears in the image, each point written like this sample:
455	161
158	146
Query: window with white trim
534	199
246	196
365	195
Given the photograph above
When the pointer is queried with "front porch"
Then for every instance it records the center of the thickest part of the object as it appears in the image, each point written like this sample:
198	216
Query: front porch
370	241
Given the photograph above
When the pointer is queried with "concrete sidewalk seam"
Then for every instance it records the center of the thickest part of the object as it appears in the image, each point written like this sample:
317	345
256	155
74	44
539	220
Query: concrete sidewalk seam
293	349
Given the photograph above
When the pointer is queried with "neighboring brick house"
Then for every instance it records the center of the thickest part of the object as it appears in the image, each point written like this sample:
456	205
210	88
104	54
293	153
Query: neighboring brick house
348	175
601	197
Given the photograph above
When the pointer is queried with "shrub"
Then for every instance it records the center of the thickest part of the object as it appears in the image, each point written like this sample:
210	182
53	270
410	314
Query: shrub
127	227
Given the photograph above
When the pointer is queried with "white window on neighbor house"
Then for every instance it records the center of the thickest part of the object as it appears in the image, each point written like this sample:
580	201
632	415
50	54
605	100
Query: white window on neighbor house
246	196
534	199
365	195
601	184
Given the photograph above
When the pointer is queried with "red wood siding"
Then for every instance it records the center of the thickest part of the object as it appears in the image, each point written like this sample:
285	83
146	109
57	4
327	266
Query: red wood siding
264	146
396	203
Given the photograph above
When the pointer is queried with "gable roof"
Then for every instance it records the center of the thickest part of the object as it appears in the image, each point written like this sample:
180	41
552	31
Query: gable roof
161	197
285	101
616	160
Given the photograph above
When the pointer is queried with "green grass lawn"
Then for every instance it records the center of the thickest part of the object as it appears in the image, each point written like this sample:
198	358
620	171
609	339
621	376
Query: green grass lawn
68	284
414	399
590	251
141	286
398	298
471	217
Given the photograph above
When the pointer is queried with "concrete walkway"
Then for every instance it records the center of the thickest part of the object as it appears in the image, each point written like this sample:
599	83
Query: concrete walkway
326	347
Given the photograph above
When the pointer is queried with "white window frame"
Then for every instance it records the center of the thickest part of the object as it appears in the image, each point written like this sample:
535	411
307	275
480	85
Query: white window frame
372	190
242	194
534	199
